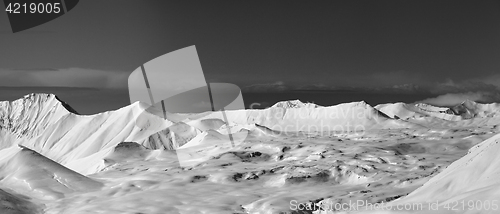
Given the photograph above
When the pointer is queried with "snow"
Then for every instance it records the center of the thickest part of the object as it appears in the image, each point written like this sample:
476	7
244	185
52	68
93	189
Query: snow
472	178
294	104
53	160
28	171
40	122
466	110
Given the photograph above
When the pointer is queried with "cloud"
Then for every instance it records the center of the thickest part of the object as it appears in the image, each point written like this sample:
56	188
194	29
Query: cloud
318	86
371	79
278	86
457	98
68	77
423	80
491	80
385	79
450	86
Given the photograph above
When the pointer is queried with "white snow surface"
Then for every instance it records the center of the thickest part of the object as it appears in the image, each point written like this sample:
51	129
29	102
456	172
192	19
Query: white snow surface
53	160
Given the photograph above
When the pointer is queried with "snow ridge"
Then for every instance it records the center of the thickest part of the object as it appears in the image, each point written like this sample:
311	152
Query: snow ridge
52	128
294	104
31	114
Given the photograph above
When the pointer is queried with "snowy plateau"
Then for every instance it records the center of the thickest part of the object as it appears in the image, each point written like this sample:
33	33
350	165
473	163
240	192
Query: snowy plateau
292	157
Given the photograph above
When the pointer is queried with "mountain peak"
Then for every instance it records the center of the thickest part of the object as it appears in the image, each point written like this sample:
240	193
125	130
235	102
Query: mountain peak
66	105
19	115
37	96
362	103
468	102
294	104
43	98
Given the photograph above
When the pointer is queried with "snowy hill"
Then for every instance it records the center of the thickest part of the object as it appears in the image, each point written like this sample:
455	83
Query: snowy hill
464	111
33	174
294	104
51	153
470	109
42	123
469	185
399	110
347	117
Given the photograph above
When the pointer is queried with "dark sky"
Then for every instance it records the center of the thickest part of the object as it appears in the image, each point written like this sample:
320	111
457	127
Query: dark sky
438	45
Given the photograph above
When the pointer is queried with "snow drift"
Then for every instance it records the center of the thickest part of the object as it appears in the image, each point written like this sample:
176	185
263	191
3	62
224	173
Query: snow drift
29	172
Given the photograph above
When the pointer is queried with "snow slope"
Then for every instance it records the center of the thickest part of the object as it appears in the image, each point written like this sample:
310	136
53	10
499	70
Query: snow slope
12	203
46	125
294	104
466	110
348	117
33	174
124	161
469	185
42	123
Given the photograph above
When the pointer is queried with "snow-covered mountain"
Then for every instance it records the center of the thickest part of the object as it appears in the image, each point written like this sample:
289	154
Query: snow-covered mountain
50	152
471	179
294	104
47	125
44	124
31	173
466	110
